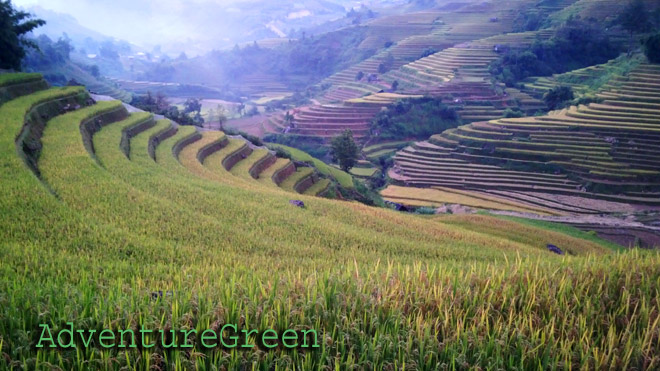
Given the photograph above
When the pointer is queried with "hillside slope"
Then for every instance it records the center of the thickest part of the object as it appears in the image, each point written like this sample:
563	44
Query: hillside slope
116	223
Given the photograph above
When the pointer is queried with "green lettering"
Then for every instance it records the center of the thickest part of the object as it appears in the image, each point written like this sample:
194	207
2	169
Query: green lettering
235	338
316	339
211	336
162	339
247	338
68	331
293	337
110	336
144	341
49	338
265	336
122	344
89	339
185	338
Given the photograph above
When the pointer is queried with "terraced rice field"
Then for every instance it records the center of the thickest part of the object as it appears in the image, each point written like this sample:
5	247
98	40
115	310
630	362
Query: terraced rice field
328	121
585	80
438	196
411	35
97	233
340	176
573	152
375	151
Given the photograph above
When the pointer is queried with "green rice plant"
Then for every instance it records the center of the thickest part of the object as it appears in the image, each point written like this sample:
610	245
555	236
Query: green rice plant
344	179
106	241
15	78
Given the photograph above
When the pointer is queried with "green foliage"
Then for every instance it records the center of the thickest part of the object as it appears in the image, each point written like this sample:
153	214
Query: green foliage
425	211
138	243
575	45
344	150
249	137
652	48
160	105
635	17
513	113
309	144
344	179
387	64
558	96
14	25
428	52
47	53
417	117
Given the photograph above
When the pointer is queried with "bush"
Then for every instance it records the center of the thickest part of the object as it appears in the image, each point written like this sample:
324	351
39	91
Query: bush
558	96
575	45
279	152
249	137
513	113
425	211
652	48
312	145
418	118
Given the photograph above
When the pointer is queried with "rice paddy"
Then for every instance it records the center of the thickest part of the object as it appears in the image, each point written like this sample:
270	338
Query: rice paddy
113	220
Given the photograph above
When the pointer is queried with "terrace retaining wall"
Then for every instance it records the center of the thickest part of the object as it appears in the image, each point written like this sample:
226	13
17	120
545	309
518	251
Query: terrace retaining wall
285	172
261	165
181	144
238	155
210	149
159	137
129	132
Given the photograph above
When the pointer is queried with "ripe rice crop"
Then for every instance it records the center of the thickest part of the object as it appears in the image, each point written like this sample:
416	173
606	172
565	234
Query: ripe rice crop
95	243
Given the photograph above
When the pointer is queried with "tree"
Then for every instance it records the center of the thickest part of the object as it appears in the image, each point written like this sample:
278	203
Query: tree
344	150
222	116
557	96
395	85
288	119
652	48
192	105
359	76
13	26
635	19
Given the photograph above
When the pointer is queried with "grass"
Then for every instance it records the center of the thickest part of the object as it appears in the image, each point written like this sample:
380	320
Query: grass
290	182
363	171
266	176
562	228
343	178
384	290
14	78
385	145
242	168
373	156
317	187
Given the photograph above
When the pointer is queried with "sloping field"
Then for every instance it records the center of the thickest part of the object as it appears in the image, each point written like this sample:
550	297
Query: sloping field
438	196
605	150
97	233
328	121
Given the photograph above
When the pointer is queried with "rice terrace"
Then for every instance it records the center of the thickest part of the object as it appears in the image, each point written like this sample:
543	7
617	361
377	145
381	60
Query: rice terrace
330	185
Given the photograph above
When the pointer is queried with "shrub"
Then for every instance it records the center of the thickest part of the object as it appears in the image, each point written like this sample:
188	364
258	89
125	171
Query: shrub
418	118
312	145
652	48
513	113
575	45
558	96
425	211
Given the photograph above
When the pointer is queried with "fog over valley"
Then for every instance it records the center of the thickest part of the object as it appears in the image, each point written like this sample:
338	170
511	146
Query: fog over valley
192	26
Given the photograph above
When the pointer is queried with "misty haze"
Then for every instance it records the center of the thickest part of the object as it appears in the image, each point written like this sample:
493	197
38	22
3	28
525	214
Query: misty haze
330	185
